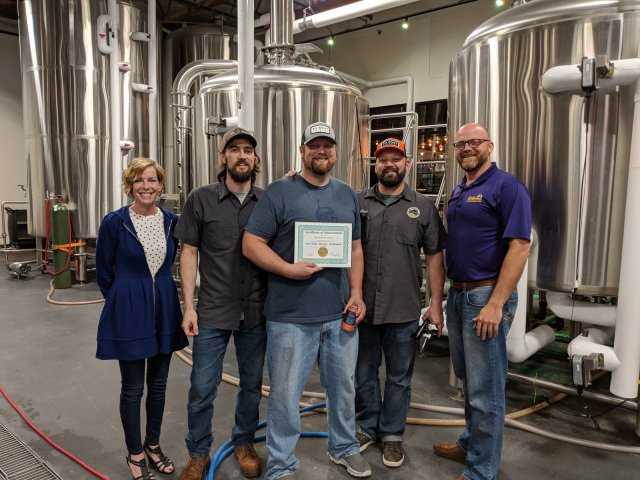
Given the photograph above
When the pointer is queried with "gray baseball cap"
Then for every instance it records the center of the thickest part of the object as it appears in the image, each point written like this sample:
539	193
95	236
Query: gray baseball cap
317	130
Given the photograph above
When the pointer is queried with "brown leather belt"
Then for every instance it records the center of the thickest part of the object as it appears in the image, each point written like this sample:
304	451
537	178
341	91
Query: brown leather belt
471	285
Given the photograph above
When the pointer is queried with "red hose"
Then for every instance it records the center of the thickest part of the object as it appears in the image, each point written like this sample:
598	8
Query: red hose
49	441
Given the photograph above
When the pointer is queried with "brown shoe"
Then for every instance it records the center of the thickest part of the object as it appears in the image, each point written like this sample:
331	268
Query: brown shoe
449	450
196	468
248	460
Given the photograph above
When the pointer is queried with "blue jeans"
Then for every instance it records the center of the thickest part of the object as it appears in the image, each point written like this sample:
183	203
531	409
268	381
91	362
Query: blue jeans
291	352
384	419
209	347
482	367
133	377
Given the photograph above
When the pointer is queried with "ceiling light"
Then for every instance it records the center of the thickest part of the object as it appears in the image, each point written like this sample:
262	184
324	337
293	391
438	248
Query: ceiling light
405	24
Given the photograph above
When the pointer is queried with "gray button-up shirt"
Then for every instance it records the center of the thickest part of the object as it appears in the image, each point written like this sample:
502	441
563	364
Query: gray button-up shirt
231	287
392	236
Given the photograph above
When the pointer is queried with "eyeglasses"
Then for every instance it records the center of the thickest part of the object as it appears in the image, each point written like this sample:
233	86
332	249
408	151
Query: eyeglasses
473	143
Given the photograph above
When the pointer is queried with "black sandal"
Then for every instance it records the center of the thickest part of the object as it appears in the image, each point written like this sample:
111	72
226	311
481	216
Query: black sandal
142	465
163	462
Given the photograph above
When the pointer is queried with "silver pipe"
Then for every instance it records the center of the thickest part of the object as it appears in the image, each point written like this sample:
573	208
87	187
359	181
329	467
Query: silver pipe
81	262
181	103
4	230
281	22
631	405
280	35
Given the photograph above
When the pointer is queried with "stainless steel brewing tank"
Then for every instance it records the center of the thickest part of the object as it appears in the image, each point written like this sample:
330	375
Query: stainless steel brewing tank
287	99
65	91
572	153
181	47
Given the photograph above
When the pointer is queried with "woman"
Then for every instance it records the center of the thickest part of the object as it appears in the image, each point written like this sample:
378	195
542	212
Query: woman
140	322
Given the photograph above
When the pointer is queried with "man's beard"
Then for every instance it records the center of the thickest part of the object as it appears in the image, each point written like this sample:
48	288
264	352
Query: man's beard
481	159
394	181
240	177
321	168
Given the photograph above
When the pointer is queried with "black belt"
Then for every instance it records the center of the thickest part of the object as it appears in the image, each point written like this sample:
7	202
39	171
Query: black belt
471	285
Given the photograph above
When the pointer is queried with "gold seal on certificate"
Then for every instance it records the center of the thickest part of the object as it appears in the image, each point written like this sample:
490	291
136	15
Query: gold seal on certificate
325	244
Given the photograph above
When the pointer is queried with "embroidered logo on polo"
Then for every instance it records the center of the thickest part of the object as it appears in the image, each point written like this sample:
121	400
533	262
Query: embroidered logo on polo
320	128
474	198
413	212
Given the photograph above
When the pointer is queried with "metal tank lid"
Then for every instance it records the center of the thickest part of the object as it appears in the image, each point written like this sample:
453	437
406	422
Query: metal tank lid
298	76
540	12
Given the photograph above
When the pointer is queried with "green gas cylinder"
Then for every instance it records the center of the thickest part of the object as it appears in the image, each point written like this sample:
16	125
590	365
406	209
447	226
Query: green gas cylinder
60	235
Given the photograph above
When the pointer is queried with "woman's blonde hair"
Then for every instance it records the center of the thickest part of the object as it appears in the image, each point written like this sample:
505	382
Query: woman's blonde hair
135	169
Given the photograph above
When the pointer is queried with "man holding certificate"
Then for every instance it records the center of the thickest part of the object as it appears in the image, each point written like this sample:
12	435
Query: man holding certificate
397	223
305	231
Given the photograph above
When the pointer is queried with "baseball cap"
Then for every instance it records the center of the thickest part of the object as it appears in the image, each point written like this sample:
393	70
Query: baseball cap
235	133
391	144
317	130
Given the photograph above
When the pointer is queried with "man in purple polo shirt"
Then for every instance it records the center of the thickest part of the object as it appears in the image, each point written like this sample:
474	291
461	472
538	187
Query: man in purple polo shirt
488	240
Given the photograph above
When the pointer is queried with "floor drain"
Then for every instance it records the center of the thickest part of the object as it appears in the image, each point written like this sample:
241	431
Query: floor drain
19	462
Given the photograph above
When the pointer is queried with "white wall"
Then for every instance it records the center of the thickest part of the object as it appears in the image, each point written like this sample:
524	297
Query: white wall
424	51
13	169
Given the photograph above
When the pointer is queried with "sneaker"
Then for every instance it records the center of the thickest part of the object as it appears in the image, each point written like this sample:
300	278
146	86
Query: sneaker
248	460
355	464
364	440
392	454
196	468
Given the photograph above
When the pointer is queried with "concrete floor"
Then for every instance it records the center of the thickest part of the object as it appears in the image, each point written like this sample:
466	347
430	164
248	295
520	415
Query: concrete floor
48	367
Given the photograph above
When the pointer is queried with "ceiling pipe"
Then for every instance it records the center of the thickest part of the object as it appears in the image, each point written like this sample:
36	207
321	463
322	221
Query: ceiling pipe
346	12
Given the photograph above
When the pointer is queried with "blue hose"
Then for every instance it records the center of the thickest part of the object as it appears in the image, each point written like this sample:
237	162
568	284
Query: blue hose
226	448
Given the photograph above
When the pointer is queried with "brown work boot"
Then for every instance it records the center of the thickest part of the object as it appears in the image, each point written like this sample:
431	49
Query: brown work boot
248	460
196	468
449	450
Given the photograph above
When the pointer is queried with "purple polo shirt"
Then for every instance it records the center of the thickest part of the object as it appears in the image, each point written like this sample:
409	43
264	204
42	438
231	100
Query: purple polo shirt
482	217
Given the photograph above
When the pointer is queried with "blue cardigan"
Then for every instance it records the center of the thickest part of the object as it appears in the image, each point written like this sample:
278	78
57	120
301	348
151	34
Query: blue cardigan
141	316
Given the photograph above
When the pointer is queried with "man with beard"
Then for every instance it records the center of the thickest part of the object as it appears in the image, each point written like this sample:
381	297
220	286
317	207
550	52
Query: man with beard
489	220
230	302
397	224
305	305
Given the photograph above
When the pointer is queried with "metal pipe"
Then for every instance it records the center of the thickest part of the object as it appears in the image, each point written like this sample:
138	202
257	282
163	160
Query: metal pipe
117	164
81	262
246	92
408	79
181	103
347	12
153	79
4	230
624	380
536	382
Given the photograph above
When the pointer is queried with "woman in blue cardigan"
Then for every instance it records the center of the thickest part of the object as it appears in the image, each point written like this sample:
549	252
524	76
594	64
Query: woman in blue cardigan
140	322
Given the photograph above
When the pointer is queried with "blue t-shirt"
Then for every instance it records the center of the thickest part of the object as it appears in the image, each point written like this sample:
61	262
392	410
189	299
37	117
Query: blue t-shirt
482	217
323	296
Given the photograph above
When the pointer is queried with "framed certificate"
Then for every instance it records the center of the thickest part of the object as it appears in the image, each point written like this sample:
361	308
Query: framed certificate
325	244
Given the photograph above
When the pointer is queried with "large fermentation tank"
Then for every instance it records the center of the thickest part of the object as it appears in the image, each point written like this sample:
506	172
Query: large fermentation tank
181	47
287	99
65	91
572	152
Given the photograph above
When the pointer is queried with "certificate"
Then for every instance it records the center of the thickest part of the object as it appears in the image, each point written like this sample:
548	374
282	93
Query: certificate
325	244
